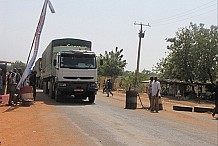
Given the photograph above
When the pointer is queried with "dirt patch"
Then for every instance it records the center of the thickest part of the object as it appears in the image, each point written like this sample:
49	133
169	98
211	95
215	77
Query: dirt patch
37	125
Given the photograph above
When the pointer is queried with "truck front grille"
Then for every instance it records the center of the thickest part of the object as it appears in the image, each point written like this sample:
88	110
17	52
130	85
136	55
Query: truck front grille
82	78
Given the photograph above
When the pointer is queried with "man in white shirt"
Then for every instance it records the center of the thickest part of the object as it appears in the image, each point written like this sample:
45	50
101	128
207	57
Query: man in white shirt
155	95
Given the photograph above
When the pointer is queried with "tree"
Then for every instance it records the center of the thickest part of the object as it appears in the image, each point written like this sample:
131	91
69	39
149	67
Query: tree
17	64
207	48
192	54
128	78
113	63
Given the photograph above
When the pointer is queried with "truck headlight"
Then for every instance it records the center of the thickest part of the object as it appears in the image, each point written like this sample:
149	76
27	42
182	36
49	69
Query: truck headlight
62	84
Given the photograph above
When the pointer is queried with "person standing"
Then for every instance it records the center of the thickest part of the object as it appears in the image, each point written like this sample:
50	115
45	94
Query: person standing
1	83
17	79
155	95
17	75
4	71
150	91
32	80
215	90
19	70
104	86
12	88
109	87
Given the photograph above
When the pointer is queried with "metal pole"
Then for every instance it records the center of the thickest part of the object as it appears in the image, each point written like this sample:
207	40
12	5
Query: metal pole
30	51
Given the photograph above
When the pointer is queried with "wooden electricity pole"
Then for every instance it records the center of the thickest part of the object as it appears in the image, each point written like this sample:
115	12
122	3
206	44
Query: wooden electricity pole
141	35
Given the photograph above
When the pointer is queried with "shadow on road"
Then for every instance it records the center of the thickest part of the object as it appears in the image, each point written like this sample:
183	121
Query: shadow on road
40	96
11	108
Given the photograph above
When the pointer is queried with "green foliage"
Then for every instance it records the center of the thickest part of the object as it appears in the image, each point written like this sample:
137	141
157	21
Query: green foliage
17	64
192	54
113	63
127	80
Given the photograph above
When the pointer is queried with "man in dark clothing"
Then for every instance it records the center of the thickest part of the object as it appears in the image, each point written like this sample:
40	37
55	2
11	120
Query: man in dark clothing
17	80
12	88
215	90
32	80
109	87
104	87
1	83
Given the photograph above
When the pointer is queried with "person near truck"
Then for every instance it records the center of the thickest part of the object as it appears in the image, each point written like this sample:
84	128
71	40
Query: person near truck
1	83
17	80
215	90
155	95
104	87
109	87
32	80
12	88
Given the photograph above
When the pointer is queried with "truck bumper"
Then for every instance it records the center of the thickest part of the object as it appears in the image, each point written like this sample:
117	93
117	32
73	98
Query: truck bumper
81	90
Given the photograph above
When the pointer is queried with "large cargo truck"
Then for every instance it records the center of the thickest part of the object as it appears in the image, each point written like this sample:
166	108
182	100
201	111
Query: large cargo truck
69	69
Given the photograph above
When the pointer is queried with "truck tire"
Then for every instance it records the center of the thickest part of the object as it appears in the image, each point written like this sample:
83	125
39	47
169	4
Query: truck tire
45	87
57	96
91	97
51	90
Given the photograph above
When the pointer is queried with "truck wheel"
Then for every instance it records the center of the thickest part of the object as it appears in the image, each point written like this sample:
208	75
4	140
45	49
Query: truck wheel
57	96
51	90
91	98
45	87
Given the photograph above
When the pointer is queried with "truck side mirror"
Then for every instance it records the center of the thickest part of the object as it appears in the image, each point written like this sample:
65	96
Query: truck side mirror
55	62
101	61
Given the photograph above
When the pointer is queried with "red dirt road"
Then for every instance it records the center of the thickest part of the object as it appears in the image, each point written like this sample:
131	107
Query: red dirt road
41	124
37	125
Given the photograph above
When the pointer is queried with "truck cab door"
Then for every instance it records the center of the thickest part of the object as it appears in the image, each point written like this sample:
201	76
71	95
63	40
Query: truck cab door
57	65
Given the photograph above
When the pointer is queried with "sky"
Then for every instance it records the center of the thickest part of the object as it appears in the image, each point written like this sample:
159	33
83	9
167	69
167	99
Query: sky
107	23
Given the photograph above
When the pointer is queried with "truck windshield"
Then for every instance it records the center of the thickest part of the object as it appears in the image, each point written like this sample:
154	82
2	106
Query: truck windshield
78	61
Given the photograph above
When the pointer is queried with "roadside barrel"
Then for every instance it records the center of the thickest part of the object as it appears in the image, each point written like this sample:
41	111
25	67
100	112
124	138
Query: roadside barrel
27	95
131	99
4	98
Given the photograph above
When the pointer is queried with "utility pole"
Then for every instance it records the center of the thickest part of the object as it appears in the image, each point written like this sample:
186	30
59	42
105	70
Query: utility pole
141	35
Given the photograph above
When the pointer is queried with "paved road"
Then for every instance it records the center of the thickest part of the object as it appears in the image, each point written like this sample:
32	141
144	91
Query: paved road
108	123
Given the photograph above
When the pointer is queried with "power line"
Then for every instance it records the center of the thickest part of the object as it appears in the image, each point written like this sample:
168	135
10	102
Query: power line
186	13
170	22
181	15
